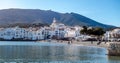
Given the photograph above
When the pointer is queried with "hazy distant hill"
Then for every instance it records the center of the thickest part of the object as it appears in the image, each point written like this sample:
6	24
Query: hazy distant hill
30	16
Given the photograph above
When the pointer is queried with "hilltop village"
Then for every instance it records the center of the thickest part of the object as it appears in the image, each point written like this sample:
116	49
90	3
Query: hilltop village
56	31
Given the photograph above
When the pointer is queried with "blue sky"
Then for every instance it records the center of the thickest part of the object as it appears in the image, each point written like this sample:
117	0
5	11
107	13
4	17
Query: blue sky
104	11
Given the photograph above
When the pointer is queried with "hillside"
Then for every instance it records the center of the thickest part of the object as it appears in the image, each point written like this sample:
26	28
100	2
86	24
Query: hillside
31	16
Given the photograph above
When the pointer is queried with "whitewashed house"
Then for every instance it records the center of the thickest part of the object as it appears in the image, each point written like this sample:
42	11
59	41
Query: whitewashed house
7	33
57	29
72	32
113	35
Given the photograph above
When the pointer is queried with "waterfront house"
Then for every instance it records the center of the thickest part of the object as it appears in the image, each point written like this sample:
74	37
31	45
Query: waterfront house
55	31
113	35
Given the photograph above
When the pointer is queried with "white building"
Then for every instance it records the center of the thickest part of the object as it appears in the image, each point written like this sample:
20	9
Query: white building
73	31
7	33
113	35
55	31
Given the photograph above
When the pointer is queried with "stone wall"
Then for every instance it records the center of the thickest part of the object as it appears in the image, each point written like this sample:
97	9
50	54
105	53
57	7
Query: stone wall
114	49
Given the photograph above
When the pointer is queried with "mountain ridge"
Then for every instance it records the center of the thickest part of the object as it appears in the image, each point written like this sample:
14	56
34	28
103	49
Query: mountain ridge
30	16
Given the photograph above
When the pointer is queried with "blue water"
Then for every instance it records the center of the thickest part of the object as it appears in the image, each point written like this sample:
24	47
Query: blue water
47	52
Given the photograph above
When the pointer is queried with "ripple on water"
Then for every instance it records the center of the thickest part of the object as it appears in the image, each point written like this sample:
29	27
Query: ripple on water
46	52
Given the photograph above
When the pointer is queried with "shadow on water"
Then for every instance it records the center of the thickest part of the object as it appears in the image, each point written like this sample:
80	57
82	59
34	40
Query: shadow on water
52	53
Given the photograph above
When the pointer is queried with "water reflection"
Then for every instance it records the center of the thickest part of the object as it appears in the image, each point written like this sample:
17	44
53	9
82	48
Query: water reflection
52	53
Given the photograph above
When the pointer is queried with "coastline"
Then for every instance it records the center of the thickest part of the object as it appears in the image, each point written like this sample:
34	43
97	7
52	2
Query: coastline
83	43
106	45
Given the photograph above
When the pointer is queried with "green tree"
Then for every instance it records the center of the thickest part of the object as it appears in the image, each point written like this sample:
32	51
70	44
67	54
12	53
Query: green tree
84	30
98	32
93	31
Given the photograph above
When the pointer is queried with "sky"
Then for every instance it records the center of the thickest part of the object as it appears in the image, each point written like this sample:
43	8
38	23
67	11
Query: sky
103	11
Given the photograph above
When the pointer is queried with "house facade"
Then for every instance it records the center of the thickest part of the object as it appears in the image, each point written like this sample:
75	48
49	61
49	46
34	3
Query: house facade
113	35
55	31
